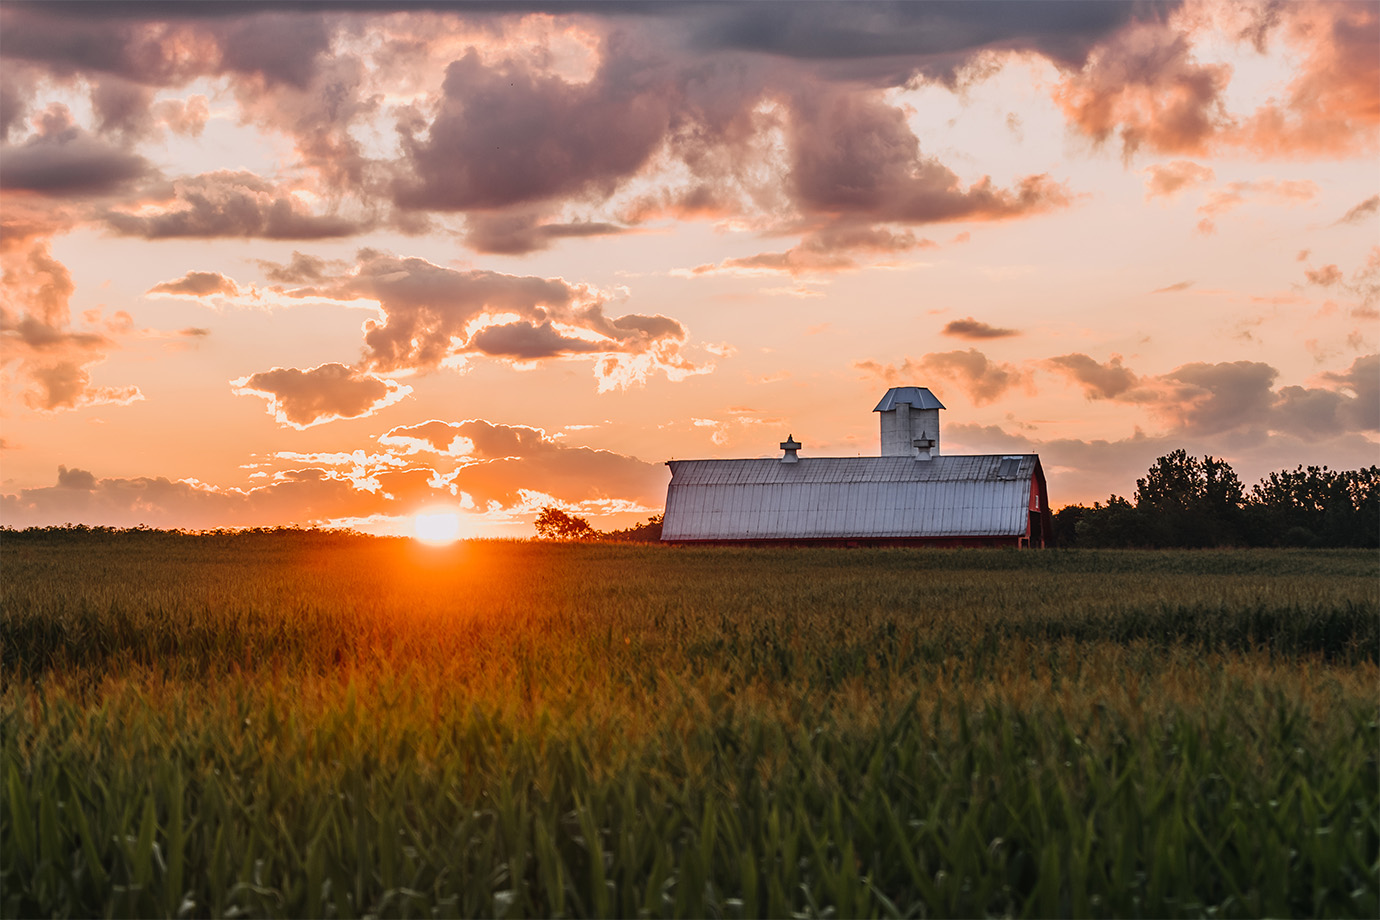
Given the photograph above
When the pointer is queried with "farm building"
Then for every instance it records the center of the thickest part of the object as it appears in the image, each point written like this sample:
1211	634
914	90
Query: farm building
911	494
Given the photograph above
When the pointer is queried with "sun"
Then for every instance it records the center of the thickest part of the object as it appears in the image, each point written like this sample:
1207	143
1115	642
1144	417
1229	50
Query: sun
437	526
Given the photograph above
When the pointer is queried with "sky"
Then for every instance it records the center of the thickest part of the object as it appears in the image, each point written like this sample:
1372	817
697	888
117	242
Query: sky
326	264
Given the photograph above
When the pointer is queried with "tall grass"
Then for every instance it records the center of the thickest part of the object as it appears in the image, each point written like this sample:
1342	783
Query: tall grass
290	726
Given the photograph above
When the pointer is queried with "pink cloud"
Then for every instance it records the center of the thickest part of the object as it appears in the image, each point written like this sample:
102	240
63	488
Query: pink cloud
197	284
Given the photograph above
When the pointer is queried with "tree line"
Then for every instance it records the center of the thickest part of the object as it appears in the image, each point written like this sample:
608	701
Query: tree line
1185	501
555	524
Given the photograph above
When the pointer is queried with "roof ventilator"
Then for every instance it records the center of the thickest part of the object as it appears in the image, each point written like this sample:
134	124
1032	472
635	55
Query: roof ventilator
790	446
924	446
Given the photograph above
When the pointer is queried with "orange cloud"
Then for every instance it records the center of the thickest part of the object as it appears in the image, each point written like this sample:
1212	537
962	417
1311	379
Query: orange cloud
1332	106
321	394
51	358
1145	86
1165	180
981	379
1099	381
434	316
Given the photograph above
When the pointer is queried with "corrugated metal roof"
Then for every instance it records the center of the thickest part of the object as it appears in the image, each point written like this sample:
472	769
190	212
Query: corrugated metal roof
827	497
918	397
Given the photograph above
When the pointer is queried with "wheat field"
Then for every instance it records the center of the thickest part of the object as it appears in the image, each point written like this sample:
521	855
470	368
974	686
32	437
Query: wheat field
330	725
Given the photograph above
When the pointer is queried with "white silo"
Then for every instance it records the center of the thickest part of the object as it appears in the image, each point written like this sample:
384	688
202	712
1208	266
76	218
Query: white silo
910	423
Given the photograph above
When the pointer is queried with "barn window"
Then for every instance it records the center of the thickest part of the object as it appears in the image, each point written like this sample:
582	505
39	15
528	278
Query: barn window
1008	467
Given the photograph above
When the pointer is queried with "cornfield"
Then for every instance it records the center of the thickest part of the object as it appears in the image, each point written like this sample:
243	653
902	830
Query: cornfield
337	726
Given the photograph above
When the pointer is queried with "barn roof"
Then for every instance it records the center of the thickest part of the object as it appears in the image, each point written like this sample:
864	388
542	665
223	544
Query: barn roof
918	397
845	497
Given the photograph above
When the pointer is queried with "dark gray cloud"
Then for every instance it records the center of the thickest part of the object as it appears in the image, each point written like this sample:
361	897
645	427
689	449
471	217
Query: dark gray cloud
519	233
122	106
907	39
854	154
969	328
1238	398
61	159
231	204
507	136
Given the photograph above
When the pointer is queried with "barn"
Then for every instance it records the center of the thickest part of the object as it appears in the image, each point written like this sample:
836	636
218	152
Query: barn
911	494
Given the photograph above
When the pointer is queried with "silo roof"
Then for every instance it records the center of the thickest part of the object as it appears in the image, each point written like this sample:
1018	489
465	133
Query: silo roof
918	397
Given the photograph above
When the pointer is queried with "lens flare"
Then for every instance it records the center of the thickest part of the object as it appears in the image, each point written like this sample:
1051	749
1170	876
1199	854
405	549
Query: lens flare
437	526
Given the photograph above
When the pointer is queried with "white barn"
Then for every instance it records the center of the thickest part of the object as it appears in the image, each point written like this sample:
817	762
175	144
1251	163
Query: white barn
912	494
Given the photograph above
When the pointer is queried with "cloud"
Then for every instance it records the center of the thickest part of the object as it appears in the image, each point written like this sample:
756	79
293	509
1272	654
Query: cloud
1238	398
890	44
304	497
1331	107
1145	86
1085	471
61	159
1327	276
301	269
1234	194
197	284
183	116
981	379
976	330
504	135
433	316
1099	381
1174	288
321	394
855	155
521	233
824	251
499	462
1362	212
1165	180
229	204
51	359
1363	380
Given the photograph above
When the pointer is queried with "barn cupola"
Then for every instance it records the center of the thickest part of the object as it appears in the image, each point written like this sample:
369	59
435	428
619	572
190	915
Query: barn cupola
910	423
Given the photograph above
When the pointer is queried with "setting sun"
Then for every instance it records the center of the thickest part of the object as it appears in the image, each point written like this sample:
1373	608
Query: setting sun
437	526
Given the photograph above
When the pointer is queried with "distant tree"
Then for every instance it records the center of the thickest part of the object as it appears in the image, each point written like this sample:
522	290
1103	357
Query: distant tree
555	524
649	532
1066	521
1115	524
1193	502
1316	506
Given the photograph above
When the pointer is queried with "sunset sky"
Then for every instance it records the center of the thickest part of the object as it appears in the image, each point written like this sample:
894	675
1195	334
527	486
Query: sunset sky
340	264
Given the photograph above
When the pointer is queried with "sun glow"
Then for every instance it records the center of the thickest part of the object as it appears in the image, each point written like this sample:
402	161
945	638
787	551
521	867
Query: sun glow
437	526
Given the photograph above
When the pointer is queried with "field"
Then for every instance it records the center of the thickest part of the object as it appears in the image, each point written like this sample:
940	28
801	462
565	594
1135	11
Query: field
329	725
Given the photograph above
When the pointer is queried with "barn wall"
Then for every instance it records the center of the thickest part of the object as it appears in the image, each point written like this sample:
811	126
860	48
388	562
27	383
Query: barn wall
833	510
